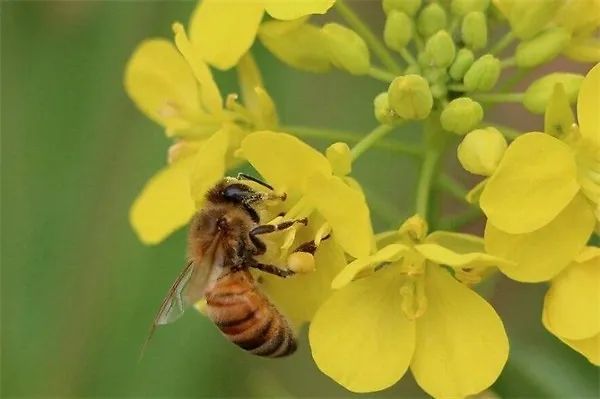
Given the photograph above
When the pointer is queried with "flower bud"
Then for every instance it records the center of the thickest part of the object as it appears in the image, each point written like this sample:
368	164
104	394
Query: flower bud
481	151
474	30
483	74
528	18
409	7
338	155
435	75
558	116
462	62
538	93
461	115
463	7
440	49
431	19
398	30
410	97
383	113
347	49
542	48
439	91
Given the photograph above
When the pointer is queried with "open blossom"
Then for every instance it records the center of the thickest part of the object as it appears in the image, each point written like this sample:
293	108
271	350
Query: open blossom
404	309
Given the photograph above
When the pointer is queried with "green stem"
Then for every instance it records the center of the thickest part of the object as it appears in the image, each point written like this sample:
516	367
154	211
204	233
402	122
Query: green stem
506	40
498	97
450	185
369	37
381	74
369	140
457	87
457	221
508	62
338	135
435	139
508	132
408	57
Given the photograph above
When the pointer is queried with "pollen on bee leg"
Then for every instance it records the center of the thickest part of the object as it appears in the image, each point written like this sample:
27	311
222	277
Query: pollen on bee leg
301	262
201	306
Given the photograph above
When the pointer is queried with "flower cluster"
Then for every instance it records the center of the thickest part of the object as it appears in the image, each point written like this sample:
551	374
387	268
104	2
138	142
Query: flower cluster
379	304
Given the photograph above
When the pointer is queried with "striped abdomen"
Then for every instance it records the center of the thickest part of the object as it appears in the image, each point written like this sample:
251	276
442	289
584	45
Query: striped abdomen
247	318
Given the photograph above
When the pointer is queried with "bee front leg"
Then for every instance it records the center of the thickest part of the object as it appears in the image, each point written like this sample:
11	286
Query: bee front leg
272	269
270	228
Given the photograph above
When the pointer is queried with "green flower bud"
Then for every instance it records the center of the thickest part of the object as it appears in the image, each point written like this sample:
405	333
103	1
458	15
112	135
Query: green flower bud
383	113
347	49
410	97
440	49
431	19
439	91
435	75
461	115
462	62
483	74
481	151
542	48
474	30
398	30
528	18
338	155
539	92
412	70
463	7
409	7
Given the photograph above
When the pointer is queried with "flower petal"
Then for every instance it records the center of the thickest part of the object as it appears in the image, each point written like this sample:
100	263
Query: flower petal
461	343
161	84
535	180
543	253
165	204
287	10
209	165
360	338
444	256
572	304
390	253
211	97
588	347
222	31
283	160
588	105
458	242
346	211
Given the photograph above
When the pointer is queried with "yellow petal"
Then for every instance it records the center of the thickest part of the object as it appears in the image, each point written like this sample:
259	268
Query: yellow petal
287	10
390	253
300	296
360	338
543	253
588	105
474	194
558	117
535	180
161	84
283	160
209	165
572	304
443	256
588	347
583	49
165	204
458	242
461	344
346	211
211	97
256	99
222	31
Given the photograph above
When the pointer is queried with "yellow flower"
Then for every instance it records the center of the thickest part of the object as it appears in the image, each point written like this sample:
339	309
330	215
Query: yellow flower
542	202
404	309
223	30
572	305
175	88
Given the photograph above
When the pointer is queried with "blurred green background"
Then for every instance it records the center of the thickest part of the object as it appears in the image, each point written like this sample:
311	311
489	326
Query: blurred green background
78	289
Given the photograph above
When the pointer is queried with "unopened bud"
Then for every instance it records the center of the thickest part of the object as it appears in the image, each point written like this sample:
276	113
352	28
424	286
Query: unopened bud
398	30
338	155
415	228
462	62
463	7
439	90
474	30
542	48
410	97
409	7
383	112
483	74
528	18
558	117
440	49
481	151
431	19
347	49
539	92
301	262
461	115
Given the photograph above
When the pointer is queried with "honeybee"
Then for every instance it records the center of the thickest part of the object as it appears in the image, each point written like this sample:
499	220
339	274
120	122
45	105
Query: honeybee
223	242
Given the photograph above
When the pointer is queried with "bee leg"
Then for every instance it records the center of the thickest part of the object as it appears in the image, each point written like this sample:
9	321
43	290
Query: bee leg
270	228
272	269
310	246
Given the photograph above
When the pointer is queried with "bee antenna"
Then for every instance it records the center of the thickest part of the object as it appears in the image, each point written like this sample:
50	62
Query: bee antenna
243	176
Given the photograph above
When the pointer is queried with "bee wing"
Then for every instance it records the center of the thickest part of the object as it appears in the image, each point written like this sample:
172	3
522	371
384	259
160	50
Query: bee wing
174	303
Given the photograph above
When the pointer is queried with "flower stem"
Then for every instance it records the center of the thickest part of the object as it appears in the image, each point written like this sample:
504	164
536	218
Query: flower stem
457	221
454	188
369	140
508	62
506	40
408	57
381	74
457	87
508	132
436	141
369	37
498	97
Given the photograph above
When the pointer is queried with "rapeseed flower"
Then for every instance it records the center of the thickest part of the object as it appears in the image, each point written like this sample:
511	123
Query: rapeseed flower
222	31
175	88
405	309
542	201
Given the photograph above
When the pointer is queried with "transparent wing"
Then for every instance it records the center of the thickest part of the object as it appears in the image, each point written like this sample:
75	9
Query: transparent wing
174	303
